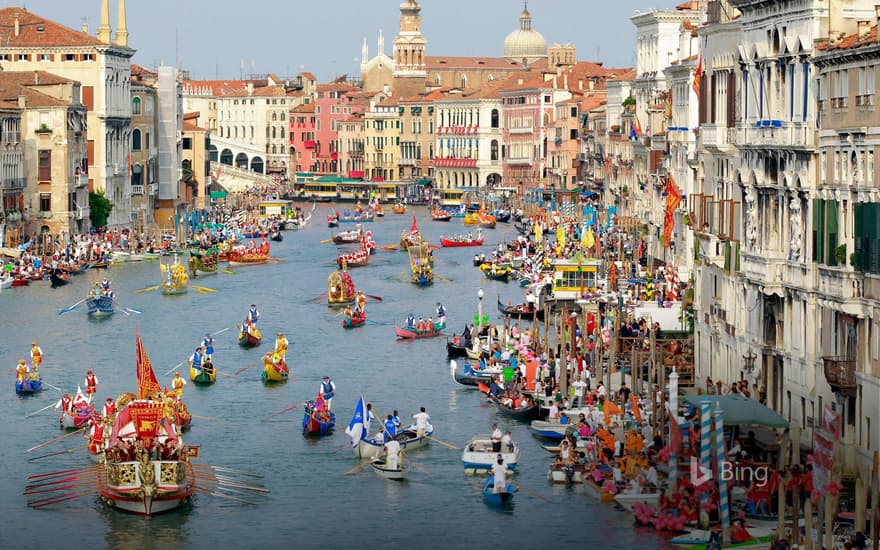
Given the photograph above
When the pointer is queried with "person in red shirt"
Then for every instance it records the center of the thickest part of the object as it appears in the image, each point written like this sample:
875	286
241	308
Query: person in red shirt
91	383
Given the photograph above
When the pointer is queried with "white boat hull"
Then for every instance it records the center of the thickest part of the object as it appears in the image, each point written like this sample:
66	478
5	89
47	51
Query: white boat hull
374	447
383	471
478	456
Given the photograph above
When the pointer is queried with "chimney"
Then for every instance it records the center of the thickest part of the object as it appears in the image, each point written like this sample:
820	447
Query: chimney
864	29
17	26
37	77
250	88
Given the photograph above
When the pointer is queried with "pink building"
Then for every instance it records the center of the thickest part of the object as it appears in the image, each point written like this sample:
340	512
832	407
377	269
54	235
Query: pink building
334	102
528	113
303	139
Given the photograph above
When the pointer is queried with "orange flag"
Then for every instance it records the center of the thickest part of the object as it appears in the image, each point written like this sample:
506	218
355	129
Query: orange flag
637	413
146	378
610	409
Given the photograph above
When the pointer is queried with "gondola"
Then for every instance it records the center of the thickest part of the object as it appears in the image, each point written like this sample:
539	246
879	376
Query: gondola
469	377
457	346
274	371
249	336
276	235
355	320
460	241
59	277
524	414
502	216
441	216
205	375
497	274
203	262
313	424
521	311
408	438
497	499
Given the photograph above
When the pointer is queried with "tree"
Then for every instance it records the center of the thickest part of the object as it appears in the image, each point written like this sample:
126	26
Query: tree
99	209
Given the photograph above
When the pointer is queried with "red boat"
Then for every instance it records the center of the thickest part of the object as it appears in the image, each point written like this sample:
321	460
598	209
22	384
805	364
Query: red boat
355	320
21	282
463	242
411	333
358	258
246	256
441	216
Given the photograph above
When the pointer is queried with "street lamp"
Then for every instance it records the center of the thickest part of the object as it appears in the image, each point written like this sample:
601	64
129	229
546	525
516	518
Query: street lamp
480	308
749	361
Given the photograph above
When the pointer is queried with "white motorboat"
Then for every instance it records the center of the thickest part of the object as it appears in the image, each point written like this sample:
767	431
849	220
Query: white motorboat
478	456
628	500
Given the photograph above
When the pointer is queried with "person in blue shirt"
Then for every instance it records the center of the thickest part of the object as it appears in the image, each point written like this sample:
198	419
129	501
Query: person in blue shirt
208	345
253	315
390	428
396	420
441	313
411	321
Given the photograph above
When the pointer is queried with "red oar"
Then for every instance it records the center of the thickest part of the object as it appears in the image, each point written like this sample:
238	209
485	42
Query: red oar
377	298
59	438
62	488
57	453
61	472
69	479
242	369
47	502
285	410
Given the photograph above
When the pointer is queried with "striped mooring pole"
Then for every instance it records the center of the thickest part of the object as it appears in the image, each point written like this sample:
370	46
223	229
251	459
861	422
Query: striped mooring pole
705	456
723	501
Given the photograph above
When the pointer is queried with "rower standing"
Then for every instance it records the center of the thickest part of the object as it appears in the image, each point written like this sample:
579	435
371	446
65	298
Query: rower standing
327	390
208	345
196	359
253	315
109	410
361	301
390	428
499	475
178	383
91	384
441	313
392	454
281	345
422	422
36	355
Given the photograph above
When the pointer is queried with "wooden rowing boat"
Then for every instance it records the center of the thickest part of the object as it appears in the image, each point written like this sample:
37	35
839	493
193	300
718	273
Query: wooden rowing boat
383	470
521	311
205	375
355	320
313	424
459	241
340	288
249	336
274	371
204	262
240	256
408	438
414	333
497	499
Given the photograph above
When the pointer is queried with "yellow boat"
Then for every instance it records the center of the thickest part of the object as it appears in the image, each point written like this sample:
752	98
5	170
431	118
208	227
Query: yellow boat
205	375
472	218
274	371
174	278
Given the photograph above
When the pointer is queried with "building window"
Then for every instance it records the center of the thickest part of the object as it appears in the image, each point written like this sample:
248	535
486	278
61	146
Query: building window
45	57
136	140
44	167
45	202
495	118
493	150
187	144
136	106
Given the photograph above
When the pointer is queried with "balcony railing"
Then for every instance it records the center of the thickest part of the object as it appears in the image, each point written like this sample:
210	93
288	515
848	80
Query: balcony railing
519	161
840	373
522	130
12	184
137	189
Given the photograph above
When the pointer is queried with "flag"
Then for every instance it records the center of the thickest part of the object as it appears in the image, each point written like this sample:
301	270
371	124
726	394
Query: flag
414	227
636	129
673	199
146	378
675	435
128	162
698	76
589	240
356	428
560	237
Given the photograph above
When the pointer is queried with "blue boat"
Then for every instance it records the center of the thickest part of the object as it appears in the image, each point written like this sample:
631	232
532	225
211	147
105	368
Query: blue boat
28	386
497	499
100	306
313	424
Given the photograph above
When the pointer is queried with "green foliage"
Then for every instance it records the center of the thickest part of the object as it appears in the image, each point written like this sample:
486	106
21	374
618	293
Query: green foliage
99	209
629	101
840	254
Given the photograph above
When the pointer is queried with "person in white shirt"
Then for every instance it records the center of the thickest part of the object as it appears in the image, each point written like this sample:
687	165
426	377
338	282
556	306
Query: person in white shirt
422	420
579	386
507	441
554	412
651	478
499	475
392	454
368	417
496	438
601	389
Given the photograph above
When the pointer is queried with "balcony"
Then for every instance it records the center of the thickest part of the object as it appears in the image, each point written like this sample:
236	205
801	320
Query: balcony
11	137
82	212
519	161
44	215
13	184
761	269
137	189
713	136
840	373
522	130
309	144
840	282
774	133
81	180
358	154
407	162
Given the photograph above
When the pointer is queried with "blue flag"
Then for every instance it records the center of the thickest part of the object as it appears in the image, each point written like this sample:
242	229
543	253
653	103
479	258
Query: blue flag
356	428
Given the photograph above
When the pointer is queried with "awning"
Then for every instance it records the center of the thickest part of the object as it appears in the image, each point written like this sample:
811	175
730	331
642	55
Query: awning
738	410
218	194
424	182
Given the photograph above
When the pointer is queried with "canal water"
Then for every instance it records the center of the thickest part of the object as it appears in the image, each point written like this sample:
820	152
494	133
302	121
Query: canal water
312	500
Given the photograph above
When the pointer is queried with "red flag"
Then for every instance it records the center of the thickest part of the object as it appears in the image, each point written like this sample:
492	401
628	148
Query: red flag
675	435
146	378
673	199
415	226
128	162
698	76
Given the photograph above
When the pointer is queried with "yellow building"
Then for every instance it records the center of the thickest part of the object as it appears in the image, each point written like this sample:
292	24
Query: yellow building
382	140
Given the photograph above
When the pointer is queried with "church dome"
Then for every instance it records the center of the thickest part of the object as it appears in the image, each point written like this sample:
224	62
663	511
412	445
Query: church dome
525	42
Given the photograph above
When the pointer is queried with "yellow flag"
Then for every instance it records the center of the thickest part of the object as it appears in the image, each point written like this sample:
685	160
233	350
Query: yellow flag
538	233
560	237
588	241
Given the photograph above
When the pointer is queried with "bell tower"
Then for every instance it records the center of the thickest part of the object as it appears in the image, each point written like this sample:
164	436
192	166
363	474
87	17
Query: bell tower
410	72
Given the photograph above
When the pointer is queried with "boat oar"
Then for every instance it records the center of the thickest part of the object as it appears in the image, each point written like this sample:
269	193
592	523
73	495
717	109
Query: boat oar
325	241
61	488
69	479
285	410
53	387
221	331
221	495
177	366
228	271
58	453
41	410
241	370
377	298
221	373
359	467
47	502
275	259
71	308
413	464
208	418
204	289
68	471
131	309
54	439
533	493
445	444
147	289
222	469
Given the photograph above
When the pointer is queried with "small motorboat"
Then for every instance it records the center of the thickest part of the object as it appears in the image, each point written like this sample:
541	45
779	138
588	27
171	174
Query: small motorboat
497	499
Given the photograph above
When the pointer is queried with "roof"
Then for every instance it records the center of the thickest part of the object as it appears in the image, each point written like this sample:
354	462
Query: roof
35	31
137	70
307	75
435	62
190	126
738	410
26	83
852	41
335	87
306	108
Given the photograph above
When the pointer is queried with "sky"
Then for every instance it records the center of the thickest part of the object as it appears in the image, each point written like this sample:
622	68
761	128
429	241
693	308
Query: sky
211	38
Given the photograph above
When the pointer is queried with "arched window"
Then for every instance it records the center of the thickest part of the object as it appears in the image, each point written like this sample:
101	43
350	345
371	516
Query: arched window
495	118
274	117
273	132
135	106
282	133
493	150
136	140
282	116
464	81
437	79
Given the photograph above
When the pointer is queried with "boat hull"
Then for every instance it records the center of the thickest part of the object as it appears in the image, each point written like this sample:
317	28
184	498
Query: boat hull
627	501
573	473
407	333
100	306
478	456
313	426
354	321
408	440
201	377
382	470
549	430
249	339
458	244
165	490
26	387
273	372
497	499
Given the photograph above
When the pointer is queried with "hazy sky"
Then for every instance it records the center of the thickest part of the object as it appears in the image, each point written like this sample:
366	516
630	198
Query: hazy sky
325	36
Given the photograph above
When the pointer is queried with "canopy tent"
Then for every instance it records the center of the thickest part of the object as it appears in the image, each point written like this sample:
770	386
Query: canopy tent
738	410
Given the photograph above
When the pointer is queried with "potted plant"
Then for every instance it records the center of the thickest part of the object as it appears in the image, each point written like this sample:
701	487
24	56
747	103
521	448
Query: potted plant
43	129
629	104
840	254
